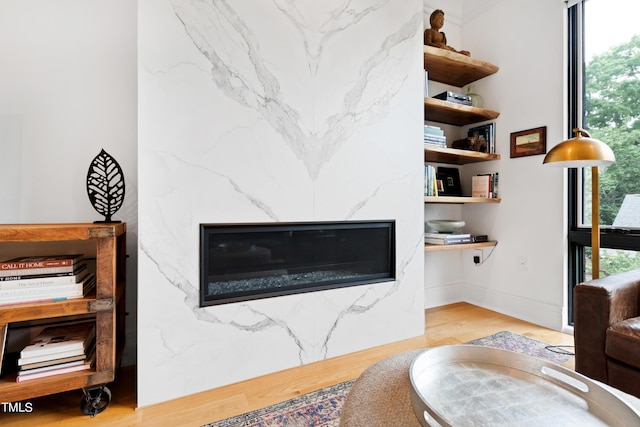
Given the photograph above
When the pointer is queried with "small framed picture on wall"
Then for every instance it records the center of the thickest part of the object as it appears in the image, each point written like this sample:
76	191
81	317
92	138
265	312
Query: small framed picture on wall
529	142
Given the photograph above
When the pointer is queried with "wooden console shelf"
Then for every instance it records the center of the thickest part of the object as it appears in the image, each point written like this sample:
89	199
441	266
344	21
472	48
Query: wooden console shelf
105	304
437	248
453	68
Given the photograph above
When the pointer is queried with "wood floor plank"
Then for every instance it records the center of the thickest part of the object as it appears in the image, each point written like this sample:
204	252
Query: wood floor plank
452	324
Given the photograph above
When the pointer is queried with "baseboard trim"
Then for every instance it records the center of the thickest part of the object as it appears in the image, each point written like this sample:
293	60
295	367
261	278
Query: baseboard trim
527	309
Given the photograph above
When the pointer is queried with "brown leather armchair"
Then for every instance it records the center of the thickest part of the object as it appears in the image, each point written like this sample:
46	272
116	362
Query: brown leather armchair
607	330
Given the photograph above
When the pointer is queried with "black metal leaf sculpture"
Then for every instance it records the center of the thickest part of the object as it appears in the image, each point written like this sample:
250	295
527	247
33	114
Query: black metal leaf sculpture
105	185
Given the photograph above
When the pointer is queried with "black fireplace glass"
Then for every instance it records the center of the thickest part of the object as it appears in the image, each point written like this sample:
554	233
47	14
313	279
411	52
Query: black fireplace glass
240	262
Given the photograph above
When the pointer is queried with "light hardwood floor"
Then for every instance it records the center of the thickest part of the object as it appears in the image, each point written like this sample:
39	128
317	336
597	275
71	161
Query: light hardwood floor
451	324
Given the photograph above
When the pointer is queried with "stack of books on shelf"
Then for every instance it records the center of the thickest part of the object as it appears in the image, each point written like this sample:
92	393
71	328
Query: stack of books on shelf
44	278
58	349
447	238
430	181
434	136
485	185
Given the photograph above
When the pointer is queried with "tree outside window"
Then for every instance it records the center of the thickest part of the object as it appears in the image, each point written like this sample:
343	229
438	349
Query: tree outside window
611	113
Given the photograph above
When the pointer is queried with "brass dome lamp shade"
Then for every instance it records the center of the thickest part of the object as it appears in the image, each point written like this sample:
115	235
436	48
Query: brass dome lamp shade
581	152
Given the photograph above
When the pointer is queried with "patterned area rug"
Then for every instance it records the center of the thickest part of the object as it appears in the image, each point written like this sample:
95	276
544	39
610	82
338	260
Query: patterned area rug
321	408
506	340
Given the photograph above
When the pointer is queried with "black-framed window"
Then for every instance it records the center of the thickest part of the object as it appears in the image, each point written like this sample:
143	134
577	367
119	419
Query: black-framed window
604	98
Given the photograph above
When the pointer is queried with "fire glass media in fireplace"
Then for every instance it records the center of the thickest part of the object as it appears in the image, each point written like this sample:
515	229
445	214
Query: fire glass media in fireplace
241	262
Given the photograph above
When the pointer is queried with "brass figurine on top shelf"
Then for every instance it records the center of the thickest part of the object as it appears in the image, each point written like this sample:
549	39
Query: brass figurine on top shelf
436	38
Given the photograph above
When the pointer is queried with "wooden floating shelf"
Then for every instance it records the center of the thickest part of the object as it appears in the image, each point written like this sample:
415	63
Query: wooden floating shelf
454	68
459	200
437	110
438	248
456	157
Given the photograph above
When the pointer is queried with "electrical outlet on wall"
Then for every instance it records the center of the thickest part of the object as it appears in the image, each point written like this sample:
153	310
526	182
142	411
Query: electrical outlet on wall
523	263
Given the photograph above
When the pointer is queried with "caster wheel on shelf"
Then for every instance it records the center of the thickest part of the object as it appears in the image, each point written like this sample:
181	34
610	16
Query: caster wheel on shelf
95	400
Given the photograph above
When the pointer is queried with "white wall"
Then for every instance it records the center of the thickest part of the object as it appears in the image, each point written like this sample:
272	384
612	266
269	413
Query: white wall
67	90
528	93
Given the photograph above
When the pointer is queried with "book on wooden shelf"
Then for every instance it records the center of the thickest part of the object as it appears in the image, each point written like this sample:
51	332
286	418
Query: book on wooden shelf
431	185
50	358
46	294
481	186
433	130
459	241
79	268
439	141
434	144
447	239
448	236
72	269
59	341
485	185
79	358
68	289
494	184
41	261
50	365
26	375
12	282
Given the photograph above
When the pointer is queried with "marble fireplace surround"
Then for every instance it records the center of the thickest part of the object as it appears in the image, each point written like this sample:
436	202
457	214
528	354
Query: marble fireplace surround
273	111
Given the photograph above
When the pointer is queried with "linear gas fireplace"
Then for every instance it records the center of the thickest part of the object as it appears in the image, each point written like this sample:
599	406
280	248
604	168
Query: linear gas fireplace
240	262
